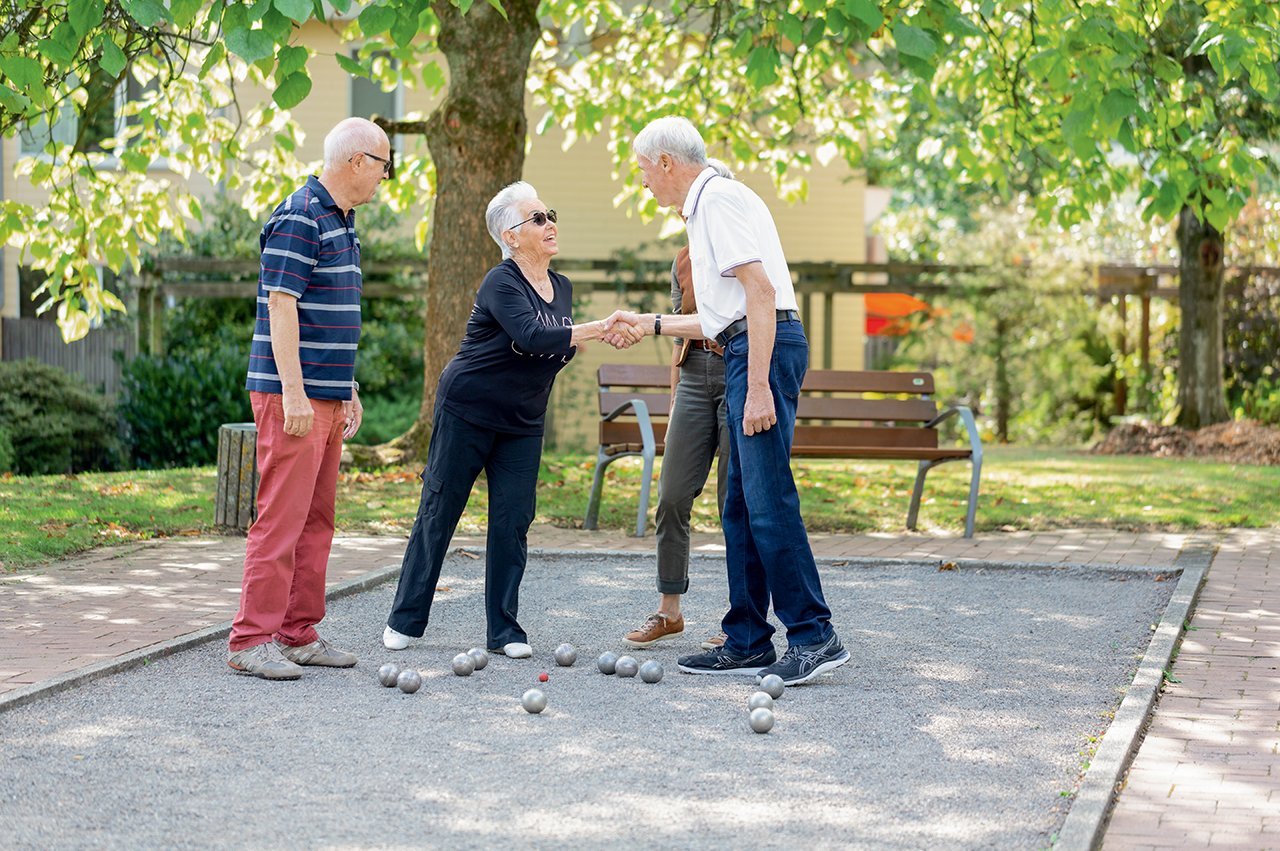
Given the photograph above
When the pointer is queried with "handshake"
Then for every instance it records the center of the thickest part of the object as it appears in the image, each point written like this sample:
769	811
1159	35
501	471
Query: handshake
623	329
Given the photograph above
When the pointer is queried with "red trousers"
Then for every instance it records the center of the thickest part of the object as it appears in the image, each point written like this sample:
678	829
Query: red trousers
288	550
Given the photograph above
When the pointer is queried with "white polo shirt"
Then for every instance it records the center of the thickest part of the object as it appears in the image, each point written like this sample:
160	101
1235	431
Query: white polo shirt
729	226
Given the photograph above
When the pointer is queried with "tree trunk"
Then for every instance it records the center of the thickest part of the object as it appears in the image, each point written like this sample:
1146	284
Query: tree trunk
1004	393
1202	400
477	139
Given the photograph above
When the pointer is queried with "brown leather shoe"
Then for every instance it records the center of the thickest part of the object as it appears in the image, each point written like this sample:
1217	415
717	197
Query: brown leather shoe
658	627
714	641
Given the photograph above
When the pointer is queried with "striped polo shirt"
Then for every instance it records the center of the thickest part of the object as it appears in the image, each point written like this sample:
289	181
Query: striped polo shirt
310	250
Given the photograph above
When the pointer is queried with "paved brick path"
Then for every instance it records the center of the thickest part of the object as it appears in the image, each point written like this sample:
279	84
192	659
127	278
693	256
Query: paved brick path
1208	772
1206	775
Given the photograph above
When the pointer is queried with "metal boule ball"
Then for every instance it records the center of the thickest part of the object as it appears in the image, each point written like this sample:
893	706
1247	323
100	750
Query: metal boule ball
463	664
533	701
651	671
387	675
479	657
761	720
409	681
566	655
773	686
626	666
760	700
608	662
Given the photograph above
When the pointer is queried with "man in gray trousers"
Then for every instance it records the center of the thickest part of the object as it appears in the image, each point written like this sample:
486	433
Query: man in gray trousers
697	431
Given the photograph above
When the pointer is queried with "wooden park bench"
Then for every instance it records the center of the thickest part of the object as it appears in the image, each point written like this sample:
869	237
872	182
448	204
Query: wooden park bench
841	414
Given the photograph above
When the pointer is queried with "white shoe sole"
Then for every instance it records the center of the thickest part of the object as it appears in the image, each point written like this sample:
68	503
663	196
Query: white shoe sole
818	671
515	650
393	640
642	644
729	672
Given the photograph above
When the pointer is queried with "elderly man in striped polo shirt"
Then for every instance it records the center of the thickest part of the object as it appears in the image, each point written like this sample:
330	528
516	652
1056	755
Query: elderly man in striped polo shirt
305	401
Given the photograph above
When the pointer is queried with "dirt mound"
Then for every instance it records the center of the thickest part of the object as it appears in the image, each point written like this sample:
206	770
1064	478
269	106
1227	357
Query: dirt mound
1240	442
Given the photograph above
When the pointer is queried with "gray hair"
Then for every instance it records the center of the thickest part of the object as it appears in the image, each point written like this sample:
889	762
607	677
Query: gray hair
349	137
720	168
674	136
504	211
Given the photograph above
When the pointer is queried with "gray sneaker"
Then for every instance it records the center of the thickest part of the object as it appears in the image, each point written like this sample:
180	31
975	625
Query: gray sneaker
318	652
264	660
803	662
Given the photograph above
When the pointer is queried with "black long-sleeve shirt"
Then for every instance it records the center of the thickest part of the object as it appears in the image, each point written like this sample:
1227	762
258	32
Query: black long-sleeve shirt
514	346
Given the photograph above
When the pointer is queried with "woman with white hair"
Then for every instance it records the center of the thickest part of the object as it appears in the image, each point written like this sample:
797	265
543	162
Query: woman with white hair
490	407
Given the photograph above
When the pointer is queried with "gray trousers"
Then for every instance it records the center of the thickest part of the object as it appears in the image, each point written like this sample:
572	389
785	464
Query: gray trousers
697	430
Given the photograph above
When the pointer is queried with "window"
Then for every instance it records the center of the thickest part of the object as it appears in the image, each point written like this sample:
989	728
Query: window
367	96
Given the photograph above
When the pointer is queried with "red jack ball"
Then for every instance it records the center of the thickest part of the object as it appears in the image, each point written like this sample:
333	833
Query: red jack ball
543	677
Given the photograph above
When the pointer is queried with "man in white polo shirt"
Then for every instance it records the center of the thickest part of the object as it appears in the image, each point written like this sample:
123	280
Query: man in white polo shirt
747	303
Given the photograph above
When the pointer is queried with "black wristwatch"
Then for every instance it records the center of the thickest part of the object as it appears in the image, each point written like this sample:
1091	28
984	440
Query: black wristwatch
657	325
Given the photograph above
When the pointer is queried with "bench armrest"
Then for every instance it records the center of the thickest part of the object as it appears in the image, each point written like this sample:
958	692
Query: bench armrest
642	420
970	426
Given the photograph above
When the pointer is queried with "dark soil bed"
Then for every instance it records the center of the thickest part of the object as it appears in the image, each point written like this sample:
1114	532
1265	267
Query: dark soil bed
1240	442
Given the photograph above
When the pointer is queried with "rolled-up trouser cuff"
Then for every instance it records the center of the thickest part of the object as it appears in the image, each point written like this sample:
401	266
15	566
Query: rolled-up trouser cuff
667	586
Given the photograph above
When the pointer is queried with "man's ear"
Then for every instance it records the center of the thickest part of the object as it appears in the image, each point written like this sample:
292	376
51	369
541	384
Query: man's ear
665	161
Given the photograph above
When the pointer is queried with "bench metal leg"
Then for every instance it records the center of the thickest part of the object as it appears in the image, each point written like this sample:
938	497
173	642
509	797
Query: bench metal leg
643	513
913	512
973	496
597	485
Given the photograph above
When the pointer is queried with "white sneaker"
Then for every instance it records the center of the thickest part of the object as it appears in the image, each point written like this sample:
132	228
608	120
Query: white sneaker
517	650
393	640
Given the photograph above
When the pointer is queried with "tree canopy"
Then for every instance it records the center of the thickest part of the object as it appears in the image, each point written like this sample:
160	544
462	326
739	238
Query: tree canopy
1080	99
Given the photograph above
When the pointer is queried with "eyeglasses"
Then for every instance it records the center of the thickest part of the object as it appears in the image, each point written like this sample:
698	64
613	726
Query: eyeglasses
539	218
388	165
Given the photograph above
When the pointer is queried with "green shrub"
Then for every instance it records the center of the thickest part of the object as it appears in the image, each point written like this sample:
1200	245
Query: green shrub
54	422
174	405
6	452
386	417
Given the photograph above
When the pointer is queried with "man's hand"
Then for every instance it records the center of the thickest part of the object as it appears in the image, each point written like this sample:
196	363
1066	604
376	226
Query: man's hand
354	413
298	413
623	329
758	414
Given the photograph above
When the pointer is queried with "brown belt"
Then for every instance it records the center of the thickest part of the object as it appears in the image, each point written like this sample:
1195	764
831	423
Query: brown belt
705	345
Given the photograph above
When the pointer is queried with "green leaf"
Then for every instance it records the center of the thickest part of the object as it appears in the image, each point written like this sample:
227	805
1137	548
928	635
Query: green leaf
376	19
1218	216
433	76
61	46
291	59
292	90
1167	69
1116	107
1077	130
792	29
351	66
84	15
135	161
216	55
251	45
113	59
276	25
501	10
405	28
22	70
865	12
340	6
762	66
13	102
184	12
814	32
913	41
464	6
147	13
298	10
1167	203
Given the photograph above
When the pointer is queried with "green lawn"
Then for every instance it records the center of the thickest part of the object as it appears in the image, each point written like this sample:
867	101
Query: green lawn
44	517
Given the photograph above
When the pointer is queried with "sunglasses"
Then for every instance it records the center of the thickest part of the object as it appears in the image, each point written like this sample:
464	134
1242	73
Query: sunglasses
388	165
539	218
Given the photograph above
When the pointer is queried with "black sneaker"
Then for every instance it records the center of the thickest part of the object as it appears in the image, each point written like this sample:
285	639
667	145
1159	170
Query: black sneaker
721	661
803	662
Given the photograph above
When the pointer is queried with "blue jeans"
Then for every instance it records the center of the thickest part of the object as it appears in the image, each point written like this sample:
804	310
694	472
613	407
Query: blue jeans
457	454
767	547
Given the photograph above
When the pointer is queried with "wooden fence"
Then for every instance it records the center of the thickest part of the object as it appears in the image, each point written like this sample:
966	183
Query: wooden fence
93	357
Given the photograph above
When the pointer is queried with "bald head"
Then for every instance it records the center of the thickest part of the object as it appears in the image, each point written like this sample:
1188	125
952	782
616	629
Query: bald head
350	137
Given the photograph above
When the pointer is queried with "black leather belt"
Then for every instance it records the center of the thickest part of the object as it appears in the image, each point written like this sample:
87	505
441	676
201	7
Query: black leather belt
739	326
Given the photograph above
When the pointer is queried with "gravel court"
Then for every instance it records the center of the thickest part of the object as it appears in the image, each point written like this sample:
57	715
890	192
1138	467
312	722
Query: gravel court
962	717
